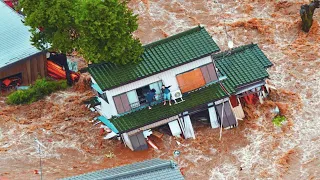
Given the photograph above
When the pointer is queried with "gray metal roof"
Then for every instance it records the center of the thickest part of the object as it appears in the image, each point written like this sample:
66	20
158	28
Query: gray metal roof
154	169
15	43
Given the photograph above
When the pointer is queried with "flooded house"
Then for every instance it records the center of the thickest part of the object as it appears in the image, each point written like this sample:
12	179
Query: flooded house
20	62
201	78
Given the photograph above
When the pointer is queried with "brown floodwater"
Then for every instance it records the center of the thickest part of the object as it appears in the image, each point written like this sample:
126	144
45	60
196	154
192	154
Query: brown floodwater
255	150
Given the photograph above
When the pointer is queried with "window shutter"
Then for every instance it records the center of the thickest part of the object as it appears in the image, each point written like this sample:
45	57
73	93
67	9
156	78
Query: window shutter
118	103
205	74
125	102
212	72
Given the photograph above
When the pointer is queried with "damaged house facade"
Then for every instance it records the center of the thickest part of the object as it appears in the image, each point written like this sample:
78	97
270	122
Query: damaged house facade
20	62
201	79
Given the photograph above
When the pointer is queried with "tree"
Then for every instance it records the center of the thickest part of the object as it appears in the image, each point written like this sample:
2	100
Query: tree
306	13
100	30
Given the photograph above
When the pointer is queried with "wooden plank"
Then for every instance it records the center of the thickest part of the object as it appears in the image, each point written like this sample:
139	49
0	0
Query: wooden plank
28	72
157	134
45	65
34	68
40	65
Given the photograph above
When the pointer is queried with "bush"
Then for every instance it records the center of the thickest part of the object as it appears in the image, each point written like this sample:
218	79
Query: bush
278	120
40	89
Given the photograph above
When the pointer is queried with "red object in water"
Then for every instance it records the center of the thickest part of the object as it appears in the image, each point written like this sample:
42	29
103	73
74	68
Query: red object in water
182	171
250	99
152	144
101	131
9	3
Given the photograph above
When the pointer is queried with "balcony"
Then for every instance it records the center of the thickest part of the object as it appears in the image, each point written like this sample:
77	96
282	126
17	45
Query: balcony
142	104
142	116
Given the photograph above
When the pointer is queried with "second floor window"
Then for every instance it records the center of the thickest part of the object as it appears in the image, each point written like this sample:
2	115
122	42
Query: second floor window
136	98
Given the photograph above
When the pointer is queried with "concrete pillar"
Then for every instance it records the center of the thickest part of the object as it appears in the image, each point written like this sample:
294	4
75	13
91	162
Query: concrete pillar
186	125
213	116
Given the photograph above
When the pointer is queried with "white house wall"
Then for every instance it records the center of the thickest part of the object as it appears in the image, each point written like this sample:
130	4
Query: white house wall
93	81
111	108
168	77
106	108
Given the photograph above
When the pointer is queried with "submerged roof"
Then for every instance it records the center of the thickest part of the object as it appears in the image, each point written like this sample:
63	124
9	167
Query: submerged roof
157	57
242	65
154	169
159	112
15	43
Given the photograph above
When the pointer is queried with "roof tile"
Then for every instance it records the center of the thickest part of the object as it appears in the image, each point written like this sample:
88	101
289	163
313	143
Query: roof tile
158	56
242	65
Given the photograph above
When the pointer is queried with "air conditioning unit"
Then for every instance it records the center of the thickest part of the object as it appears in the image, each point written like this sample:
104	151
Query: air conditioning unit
177	95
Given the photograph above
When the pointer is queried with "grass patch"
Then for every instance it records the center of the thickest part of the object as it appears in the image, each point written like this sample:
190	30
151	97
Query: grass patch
279	120
40	89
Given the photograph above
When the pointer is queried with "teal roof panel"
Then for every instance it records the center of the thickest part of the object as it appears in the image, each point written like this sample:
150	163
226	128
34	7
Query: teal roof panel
108	123
15	43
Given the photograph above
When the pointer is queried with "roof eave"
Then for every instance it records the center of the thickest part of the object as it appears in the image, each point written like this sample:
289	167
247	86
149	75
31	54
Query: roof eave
36	54
121	132
113	87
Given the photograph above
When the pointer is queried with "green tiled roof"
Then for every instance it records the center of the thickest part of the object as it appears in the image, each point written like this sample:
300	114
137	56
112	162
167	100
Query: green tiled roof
157	57
242	65
154	169
15	42
145	116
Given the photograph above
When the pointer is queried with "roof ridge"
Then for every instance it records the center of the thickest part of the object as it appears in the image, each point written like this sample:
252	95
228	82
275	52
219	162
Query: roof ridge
233	50
173	37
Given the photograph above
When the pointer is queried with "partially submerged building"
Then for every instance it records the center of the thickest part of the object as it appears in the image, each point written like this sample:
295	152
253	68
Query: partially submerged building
154	169
19	59
201	79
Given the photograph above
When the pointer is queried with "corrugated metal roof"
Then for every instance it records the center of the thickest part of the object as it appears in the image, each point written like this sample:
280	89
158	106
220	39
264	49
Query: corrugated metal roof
158	56
15	42
154	169
242	65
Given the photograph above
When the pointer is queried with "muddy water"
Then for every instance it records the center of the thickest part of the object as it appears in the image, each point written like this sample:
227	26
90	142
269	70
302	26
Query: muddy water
254	150
275	26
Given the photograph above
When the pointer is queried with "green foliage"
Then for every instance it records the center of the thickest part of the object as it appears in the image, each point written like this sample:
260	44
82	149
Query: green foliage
39	90
99	30
278	120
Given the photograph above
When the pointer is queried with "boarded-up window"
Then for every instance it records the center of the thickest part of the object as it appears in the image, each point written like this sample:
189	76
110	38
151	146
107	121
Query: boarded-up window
190	80
122	103
209	73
